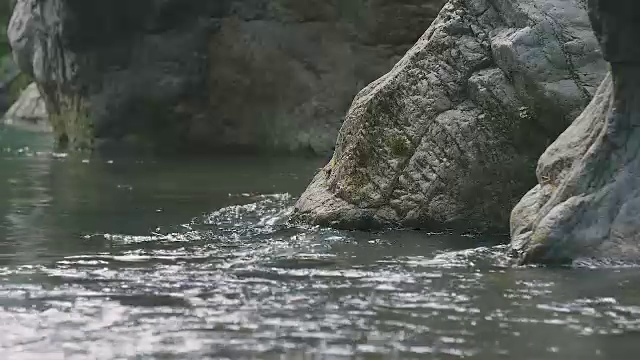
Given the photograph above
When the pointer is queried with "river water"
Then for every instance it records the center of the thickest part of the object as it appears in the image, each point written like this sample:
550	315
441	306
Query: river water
194	259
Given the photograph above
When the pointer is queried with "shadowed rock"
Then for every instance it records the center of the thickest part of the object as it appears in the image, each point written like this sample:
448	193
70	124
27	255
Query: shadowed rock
450	137
209	75
588	198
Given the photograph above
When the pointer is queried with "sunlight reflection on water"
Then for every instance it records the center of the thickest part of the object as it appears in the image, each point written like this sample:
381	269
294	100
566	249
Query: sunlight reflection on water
80	277
241	282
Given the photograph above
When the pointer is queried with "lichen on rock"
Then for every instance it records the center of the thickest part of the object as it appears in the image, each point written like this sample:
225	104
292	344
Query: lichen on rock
478	99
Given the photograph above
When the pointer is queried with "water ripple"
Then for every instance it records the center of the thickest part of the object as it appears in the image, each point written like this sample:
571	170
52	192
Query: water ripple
242	282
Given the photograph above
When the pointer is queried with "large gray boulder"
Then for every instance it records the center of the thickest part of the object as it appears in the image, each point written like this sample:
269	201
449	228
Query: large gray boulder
587	202
209	75
29	111
449	138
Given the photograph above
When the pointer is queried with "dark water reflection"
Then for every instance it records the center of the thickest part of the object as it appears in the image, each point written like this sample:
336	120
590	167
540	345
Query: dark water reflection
175	259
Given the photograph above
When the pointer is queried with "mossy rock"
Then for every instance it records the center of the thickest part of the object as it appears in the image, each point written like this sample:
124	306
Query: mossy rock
72	124
399	145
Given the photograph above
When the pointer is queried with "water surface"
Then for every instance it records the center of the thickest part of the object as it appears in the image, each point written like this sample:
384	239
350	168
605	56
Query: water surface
194	259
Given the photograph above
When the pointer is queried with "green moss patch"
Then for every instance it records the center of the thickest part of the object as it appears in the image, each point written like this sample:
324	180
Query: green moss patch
399	146
72	124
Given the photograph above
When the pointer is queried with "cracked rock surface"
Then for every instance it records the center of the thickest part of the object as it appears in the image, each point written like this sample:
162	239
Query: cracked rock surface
587	202
449	138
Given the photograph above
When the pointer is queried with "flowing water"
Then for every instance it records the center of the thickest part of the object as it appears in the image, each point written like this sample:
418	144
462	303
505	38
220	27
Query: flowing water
175	259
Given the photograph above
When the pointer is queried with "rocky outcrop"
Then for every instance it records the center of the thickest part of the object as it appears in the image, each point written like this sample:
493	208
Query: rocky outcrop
8	69
6	7
29	111
449	138
587	201
208	75
9	73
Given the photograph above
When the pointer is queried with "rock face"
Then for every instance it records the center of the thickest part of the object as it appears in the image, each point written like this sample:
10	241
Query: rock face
587	201
29	111
9	72
8	69
206	75
449	138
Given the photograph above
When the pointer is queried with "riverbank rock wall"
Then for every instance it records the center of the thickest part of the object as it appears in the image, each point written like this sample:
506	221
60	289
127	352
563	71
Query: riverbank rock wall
450	137
9	71
587	200
202	75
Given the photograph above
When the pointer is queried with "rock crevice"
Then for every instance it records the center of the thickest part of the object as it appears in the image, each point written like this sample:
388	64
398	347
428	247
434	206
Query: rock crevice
586	202
449	137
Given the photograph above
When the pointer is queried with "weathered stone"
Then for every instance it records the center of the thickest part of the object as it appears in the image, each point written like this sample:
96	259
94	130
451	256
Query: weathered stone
29	111
209	75
8	69
587	200
9	73
449	138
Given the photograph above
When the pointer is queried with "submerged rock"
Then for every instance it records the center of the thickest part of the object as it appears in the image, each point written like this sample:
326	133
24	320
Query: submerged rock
29	111
449	138
587	202
209	75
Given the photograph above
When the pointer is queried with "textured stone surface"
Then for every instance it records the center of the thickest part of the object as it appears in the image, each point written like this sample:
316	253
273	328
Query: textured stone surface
588	197
208	75
449	138
29	111
8	69
9	72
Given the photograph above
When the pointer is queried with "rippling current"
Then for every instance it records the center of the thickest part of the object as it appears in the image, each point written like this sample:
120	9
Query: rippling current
173	259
